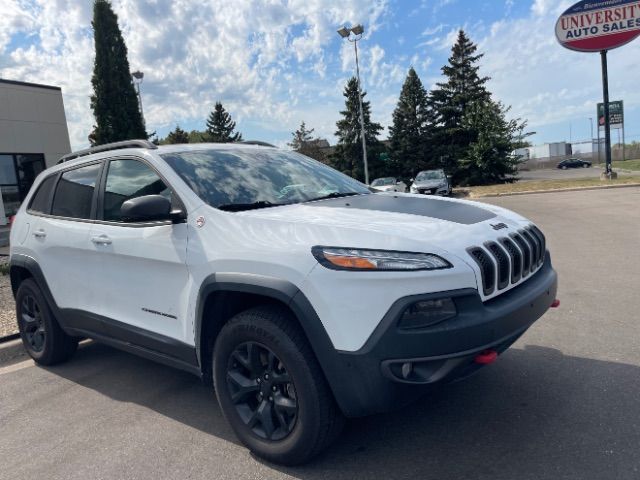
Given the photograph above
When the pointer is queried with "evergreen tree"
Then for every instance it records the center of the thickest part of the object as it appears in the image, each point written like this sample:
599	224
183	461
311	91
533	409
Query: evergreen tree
409	136
114	101
177	136
301	137
490	157
347	156
220	126
303	142
463	88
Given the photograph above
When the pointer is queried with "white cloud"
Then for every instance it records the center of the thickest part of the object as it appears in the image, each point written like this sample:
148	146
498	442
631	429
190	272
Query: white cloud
264	60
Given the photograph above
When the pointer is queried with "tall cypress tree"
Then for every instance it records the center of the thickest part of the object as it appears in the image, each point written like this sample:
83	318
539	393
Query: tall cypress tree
409	136
114	101
220	126
347	156
463	88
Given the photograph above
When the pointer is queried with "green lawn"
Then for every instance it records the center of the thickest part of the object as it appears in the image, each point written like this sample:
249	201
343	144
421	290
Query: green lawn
628	165
545	185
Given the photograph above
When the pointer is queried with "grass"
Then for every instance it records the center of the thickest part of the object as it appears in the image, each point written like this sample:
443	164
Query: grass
542	185
628	165
4	269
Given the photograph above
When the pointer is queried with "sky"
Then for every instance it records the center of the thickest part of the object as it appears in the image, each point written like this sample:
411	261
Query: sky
275	63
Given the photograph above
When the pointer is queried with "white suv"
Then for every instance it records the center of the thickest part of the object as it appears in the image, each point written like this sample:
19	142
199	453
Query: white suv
303	296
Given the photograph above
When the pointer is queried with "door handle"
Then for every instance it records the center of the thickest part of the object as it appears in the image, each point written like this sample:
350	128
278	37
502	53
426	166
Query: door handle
40	233
101	240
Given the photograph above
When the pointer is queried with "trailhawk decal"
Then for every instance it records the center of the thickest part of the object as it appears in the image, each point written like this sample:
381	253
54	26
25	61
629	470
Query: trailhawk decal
424	207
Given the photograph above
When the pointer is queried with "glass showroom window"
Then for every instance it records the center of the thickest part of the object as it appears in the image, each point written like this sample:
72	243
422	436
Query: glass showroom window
17	174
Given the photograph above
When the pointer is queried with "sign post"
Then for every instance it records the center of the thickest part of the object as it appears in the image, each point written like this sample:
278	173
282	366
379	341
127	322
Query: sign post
600	26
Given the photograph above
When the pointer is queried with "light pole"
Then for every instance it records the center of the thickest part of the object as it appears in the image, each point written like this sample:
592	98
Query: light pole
591	120
357	32
138	76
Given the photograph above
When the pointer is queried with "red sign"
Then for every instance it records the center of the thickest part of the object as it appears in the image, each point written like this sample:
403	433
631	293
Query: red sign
596	25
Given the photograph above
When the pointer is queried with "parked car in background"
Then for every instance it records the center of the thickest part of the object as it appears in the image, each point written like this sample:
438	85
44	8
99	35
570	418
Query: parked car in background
574	163
431	182
389	184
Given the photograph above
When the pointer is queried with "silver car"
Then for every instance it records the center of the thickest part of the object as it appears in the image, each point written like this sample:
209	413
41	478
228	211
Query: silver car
389	184
431	182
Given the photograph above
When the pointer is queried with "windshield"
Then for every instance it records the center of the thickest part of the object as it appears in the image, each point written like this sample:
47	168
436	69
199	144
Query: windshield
381	182
238	179
430	175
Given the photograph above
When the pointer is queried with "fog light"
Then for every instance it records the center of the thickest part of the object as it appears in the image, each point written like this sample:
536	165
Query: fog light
427	312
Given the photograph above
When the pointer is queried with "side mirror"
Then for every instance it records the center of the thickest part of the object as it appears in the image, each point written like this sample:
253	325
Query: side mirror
411	180
148	208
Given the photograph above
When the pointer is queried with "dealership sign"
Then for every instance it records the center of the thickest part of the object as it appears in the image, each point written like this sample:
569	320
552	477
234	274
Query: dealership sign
616	114
597	25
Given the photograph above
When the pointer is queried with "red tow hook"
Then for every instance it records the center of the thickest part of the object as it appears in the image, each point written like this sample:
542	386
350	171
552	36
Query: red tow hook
555	304
486	357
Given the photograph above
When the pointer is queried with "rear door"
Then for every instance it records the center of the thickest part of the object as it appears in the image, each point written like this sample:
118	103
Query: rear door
143	275
59	238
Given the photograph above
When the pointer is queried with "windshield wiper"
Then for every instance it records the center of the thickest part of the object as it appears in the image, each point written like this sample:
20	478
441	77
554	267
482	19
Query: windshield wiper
239	207
335	195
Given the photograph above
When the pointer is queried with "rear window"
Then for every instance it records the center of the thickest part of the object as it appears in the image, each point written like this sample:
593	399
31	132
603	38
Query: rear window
40	202
74	194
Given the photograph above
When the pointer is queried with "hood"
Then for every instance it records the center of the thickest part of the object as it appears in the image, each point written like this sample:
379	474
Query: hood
391	221
429	183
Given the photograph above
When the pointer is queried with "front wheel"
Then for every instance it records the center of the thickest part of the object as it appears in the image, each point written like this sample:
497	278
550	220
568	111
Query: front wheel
271	388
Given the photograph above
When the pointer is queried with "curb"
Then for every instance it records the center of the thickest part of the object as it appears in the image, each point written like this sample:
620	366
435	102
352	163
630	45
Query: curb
12	351
557	190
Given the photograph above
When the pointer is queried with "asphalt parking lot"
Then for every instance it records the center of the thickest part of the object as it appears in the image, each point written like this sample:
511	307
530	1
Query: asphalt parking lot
563	403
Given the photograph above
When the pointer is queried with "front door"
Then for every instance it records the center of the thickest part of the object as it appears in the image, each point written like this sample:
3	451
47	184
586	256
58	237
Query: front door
142	274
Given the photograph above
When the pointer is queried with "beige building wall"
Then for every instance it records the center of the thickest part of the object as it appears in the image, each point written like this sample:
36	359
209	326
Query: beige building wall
32	120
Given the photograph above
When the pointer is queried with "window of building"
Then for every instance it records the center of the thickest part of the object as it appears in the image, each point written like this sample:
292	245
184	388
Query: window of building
74	194
17	173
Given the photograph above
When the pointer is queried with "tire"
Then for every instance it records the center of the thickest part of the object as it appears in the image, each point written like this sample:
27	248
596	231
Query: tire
563	167
285	411
40	332
586	165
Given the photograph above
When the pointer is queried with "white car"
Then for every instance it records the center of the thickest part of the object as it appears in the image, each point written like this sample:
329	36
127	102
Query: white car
301	307
431	182
389	184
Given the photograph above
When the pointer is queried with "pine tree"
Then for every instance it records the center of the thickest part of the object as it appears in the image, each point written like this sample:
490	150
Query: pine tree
114	101
463	88
177	136
220	126
347	156
490	157
409	136
305	143
301	137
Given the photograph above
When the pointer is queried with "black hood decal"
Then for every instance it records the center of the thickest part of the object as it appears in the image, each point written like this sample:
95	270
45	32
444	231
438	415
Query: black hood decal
424	207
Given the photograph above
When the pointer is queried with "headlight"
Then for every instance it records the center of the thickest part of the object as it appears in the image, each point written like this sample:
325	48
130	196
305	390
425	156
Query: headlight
382	260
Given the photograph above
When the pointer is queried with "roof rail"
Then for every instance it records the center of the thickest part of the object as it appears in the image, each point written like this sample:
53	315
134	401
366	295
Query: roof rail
257	142
108	146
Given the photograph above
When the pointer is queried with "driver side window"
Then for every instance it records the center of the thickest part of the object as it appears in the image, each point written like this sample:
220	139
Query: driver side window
127	179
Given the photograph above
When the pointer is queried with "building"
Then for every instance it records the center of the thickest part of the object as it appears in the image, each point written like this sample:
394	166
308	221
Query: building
33	136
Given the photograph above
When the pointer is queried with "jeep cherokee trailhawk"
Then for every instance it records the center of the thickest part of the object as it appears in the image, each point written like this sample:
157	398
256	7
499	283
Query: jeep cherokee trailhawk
300	294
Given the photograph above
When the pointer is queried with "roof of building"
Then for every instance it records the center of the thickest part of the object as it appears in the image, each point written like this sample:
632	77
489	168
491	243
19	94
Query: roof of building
27	84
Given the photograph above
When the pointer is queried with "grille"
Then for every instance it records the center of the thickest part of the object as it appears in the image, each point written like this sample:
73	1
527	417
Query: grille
509	260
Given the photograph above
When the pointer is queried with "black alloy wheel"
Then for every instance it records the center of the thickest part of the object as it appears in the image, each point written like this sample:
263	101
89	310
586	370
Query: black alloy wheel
262	391
34	329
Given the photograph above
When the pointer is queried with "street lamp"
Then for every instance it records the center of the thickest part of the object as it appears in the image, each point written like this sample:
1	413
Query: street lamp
354	34
138	76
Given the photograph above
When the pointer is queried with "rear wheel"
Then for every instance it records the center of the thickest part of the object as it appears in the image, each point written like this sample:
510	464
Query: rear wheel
271	388
41	335
586	165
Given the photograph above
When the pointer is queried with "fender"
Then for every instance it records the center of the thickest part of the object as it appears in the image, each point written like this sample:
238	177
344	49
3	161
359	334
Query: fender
336	370
30	264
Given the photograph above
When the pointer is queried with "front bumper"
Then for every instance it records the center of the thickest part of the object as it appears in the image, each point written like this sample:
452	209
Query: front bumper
432	190
371	380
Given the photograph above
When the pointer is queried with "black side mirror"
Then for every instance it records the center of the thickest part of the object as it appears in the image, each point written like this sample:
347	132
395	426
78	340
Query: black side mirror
148	208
